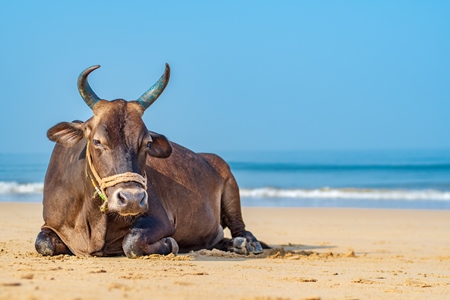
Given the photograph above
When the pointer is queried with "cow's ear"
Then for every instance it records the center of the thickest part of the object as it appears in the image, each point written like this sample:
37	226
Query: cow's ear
66	133
161	147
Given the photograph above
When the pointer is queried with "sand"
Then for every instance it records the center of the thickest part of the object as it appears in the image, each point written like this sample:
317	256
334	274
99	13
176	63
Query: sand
318	254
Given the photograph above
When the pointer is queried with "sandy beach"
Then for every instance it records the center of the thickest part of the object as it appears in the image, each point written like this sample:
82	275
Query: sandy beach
318	254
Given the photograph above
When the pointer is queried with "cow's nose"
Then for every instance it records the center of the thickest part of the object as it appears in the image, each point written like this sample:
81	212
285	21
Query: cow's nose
129	201
127	196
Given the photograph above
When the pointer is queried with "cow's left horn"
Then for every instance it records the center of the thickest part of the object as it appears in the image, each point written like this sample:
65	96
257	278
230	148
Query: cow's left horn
153	93
84	88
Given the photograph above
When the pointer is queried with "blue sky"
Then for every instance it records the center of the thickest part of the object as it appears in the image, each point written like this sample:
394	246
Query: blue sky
258	75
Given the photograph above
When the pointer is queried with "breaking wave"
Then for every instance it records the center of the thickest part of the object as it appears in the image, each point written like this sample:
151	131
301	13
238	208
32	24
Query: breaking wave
20	188
347	193
15	188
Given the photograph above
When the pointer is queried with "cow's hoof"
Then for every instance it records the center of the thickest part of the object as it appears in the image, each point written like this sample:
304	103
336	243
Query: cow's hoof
48	243
45	244
254	247
173	245
133	246
240	245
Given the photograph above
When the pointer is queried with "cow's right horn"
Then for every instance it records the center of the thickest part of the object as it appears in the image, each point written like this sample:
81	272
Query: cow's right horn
84	88
153	93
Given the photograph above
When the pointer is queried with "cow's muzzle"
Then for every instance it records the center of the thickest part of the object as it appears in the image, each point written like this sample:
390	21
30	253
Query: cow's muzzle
126	192
128	201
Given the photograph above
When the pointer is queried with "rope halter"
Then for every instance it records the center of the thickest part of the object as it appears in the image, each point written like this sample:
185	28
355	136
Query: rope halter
104	183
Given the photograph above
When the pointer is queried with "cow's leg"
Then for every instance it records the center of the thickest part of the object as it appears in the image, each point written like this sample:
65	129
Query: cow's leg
48	243
242	241
150	235
137	243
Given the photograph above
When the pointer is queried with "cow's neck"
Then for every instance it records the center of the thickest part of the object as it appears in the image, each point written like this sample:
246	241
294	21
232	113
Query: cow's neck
90	223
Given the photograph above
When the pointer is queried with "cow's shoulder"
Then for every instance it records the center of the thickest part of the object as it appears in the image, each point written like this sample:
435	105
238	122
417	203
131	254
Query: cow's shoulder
207	159
185	160
217	163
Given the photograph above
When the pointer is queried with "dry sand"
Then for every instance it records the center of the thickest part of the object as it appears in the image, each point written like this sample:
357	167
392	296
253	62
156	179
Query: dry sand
321	254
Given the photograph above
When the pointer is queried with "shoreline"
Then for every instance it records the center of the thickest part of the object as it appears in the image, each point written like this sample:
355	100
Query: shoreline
285	202
320	253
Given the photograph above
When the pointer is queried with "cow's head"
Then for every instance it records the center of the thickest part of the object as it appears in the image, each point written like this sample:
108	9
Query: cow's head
118	143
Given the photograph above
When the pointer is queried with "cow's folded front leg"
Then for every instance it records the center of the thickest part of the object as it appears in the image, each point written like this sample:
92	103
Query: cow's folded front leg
48	243
163	246
138	242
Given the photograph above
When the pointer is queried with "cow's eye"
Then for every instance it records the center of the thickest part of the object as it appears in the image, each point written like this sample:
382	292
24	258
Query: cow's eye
96	142
149	144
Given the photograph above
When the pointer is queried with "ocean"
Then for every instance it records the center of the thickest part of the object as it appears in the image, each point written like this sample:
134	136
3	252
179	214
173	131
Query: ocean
417	179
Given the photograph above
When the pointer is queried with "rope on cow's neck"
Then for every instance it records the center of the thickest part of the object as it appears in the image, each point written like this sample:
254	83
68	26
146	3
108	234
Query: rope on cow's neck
104	183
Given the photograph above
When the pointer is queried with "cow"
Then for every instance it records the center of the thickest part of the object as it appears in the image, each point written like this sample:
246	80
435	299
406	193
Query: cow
113	187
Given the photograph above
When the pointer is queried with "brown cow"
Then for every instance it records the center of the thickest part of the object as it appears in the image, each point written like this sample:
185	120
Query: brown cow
112	187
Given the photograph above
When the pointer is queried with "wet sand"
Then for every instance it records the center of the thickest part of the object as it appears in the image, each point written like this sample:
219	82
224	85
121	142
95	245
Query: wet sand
318	254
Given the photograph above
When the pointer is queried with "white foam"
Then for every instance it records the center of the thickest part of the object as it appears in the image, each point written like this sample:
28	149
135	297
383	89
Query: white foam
329	193
269	192
20	188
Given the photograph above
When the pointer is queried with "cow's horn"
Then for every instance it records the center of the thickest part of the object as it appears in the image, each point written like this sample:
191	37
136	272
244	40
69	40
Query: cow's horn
84	88
153	93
